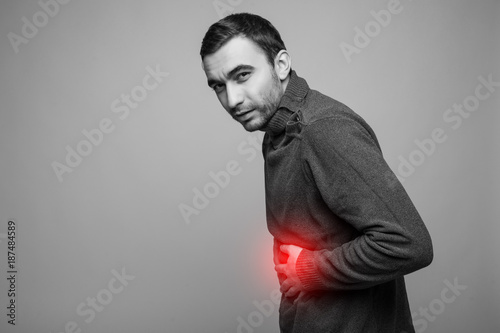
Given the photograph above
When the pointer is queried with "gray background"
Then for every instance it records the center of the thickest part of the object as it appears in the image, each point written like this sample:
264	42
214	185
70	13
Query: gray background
119	208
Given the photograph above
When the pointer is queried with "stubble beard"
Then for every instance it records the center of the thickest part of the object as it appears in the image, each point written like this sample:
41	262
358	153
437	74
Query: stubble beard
270	103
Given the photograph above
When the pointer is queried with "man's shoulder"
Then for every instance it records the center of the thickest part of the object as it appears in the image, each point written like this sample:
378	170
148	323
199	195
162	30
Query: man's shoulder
323	115
319	107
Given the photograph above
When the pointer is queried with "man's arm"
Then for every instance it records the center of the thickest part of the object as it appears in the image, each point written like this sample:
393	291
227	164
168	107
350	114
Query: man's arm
344	161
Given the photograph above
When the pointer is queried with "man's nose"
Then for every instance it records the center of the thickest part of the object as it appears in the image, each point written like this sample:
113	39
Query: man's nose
235	96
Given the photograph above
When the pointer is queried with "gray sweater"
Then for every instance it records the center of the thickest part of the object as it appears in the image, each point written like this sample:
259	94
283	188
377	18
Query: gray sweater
330	191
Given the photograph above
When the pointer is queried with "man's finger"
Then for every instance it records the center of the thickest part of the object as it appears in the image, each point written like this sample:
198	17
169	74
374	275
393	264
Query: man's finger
281	278
285	286
281	268
291	292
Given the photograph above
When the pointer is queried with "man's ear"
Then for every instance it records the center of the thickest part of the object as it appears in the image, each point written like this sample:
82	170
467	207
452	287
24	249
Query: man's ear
283	64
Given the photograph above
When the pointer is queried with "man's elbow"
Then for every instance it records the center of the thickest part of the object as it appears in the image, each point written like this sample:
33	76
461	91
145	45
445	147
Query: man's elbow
426	257
422	255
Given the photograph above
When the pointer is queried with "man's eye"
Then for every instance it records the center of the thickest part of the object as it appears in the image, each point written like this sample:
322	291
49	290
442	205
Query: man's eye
218	87
243	76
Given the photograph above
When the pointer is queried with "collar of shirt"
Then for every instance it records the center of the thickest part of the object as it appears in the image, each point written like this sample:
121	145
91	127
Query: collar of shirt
290	103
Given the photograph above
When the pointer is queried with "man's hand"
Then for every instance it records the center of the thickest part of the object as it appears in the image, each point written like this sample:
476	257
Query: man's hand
291	286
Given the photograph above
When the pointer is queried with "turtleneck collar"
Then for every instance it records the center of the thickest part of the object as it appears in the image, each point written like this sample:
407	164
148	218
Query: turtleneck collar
290	103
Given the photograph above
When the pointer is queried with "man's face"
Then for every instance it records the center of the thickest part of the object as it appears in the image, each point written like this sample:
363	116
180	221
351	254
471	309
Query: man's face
244	81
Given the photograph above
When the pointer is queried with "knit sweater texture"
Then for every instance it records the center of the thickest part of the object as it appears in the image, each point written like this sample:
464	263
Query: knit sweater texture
330	191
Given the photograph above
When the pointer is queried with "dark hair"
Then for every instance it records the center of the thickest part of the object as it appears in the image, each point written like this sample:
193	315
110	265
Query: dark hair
256	28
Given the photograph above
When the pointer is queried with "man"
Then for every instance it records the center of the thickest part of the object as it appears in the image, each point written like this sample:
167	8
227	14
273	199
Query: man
345	231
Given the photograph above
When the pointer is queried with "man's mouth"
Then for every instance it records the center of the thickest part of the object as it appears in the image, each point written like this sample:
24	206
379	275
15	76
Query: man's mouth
241	114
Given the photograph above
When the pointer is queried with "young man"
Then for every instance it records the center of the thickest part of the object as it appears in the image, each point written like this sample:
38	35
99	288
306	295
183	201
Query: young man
345	231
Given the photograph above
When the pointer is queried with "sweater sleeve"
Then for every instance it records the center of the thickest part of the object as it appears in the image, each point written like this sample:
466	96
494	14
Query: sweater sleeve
341	155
